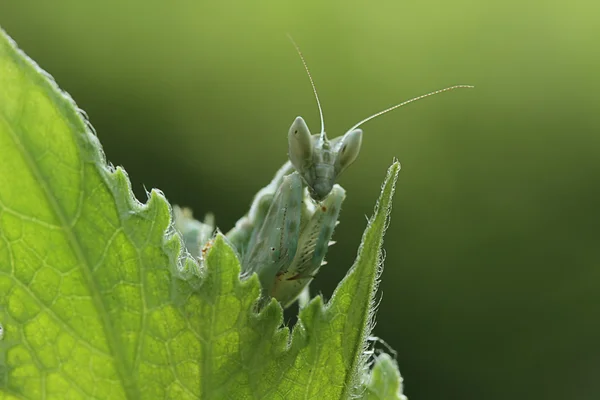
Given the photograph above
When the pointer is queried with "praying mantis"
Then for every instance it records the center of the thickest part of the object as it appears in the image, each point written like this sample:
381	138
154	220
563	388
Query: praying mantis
286	233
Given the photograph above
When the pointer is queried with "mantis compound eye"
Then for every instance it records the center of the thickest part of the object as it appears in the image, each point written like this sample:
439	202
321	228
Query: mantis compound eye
300	144
348	149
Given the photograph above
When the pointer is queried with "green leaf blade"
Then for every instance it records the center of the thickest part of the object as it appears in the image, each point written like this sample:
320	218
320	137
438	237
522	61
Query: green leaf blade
357	297
37	226
244	353
85	270
385	382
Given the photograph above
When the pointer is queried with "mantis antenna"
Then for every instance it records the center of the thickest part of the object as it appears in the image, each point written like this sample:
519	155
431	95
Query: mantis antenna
312	83
408	102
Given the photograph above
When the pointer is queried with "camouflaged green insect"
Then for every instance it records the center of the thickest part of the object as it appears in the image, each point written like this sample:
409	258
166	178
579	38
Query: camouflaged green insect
285	235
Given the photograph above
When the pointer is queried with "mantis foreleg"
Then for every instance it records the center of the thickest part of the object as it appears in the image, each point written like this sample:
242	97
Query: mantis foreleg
272	245
314	239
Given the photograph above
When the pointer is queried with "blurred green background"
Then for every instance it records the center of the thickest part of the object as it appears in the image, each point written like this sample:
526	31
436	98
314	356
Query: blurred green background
492	279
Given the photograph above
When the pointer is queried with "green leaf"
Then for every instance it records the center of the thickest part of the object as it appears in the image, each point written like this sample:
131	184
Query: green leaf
98	302
385	382
90	300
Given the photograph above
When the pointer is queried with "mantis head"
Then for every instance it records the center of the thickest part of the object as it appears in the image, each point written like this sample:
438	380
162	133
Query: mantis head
320	161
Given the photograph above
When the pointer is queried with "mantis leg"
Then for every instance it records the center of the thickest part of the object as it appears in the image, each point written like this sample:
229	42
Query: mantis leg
248	226
313	242
273	246
195	234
